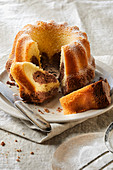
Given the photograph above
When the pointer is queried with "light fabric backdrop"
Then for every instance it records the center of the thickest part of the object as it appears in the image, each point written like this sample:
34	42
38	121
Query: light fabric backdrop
93	17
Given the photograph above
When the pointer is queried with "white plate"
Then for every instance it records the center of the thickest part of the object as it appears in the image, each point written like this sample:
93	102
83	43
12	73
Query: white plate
78	151
102	70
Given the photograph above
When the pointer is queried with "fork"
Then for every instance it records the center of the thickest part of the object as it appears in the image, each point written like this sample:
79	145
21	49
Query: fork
107	137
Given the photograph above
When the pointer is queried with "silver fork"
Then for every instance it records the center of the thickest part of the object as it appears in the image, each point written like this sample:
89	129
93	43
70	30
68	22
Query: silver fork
107	138
30	125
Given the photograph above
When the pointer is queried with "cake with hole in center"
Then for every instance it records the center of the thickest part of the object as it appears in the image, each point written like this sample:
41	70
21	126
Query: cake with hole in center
35	84
60	46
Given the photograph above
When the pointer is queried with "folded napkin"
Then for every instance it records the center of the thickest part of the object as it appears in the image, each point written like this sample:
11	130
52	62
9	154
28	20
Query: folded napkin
22	128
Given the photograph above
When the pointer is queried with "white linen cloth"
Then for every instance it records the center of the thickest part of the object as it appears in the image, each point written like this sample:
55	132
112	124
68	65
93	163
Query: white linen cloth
93	17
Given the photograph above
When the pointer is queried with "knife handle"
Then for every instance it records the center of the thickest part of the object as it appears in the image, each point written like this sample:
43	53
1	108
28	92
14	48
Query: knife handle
37	120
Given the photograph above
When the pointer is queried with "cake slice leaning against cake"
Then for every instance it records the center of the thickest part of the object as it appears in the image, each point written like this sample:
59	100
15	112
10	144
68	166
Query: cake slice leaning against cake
35	84
93	96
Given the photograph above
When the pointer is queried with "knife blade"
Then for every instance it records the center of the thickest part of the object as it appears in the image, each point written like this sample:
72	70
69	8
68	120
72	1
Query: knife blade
17	102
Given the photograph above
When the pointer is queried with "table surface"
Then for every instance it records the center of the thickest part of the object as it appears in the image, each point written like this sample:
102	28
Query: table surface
43	153
13	16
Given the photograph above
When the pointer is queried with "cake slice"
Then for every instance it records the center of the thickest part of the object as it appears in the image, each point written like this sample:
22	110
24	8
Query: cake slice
35	84
93	96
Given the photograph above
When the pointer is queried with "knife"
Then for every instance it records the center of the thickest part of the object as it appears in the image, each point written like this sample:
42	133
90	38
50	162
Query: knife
17	102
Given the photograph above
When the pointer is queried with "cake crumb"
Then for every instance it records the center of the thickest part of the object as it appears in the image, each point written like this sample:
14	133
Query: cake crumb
19	150
53	113
59	109
18	160
18	157
47	110
6	155
16	141
40	111
10	83
101	78
3	143
32	153
23	133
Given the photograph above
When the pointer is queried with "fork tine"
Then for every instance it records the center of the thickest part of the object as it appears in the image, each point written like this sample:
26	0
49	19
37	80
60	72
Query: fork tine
106	165
94	160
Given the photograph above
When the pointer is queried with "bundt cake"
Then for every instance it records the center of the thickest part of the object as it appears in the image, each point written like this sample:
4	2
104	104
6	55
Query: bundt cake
93	96
35	84
55	44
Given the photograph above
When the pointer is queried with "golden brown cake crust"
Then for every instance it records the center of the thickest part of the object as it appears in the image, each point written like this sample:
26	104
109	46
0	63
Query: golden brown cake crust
26	35
79	68
19	75
93	96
